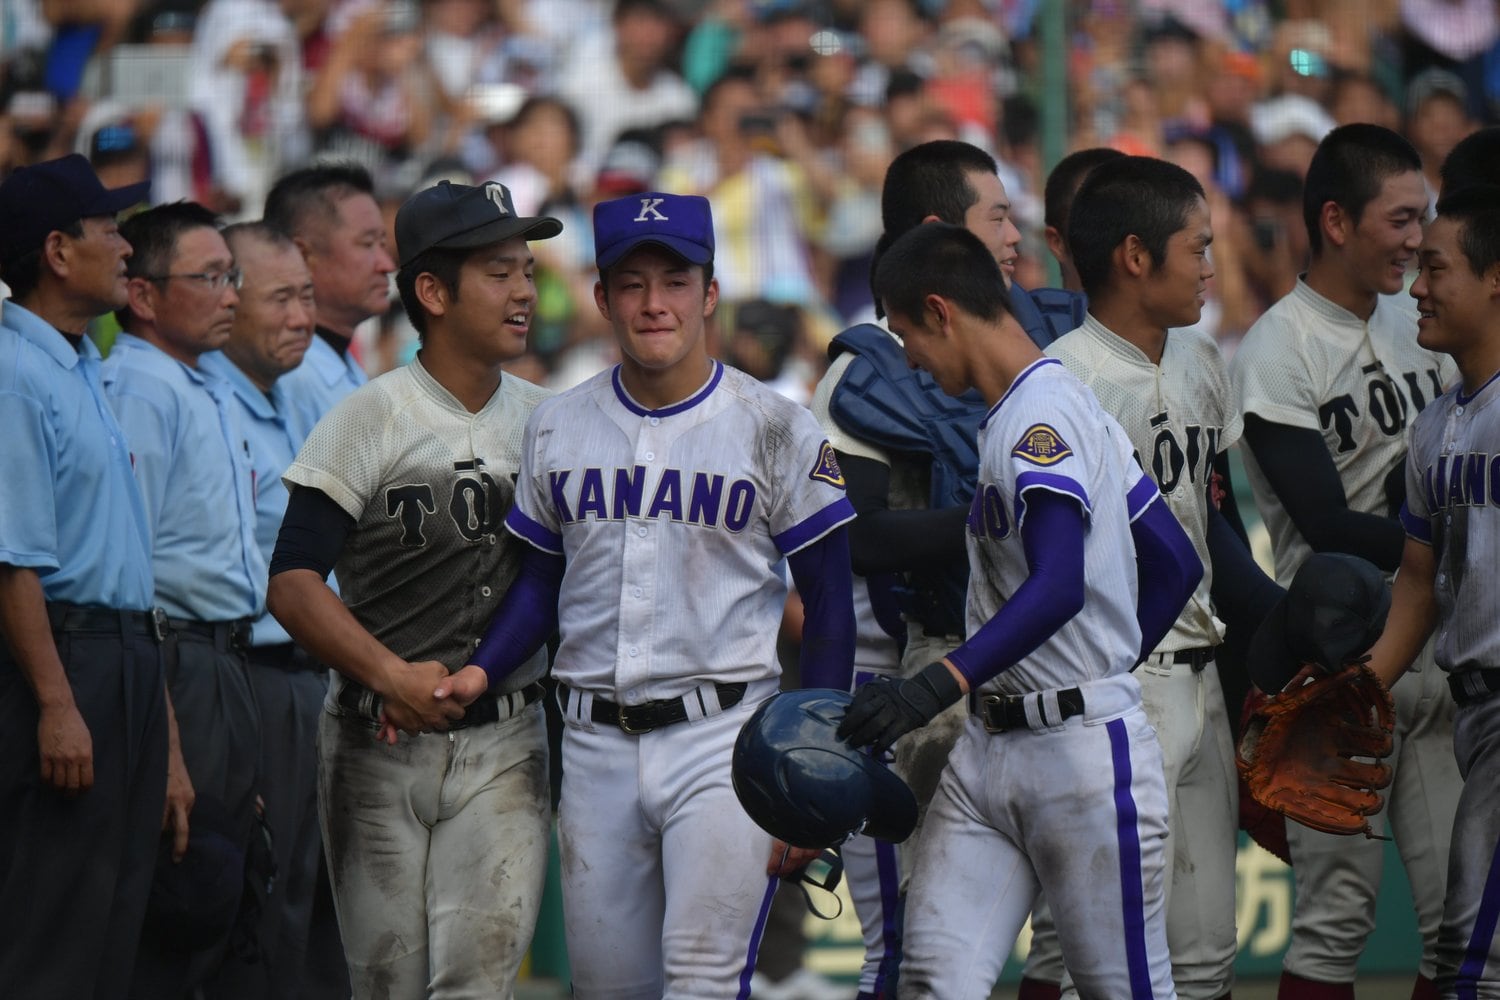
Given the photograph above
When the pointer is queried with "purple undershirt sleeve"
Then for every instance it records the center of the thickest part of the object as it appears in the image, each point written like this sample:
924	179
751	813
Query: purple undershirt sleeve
526	618
1167	571
826	585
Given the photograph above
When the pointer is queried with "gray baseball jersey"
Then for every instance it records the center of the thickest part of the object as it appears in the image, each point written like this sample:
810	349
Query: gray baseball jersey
428	483
1178	415
1312	364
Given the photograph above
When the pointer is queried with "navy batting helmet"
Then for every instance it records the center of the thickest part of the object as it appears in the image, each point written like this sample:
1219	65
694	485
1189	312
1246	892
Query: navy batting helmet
804	785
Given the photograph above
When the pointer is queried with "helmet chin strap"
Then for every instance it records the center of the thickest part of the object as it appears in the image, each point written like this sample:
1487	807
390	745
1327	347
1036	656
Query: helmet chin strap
833	873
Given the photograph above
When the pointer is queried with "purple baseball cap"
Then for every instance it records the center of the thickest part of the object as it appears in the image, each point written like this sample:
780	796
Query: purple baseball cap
52	195
681	223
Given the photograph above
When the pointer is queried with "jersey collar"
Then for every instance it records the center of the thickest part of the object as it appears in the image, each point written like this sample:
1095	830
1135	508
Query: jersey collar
666	411
46	337
1025	372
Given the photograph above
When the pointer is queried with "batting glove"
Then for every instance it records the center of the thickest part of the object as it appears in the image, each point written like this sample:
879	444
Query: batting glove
884	710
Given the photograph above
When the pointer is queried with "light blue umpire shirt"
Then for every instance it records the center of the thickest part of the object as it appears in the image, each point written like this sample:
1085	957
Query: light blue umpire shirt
69	506
320	382
193	463
274	443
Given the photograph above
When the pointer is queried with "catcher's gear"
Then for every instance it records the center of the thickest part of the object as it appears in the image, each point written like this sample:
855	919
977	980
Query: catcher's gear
804	785
1298	753
1334	610
884	710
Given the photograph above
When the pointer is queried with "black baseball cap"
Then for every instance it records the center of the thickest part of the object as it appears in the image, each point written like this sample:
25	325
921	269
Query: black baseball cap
1331	614
52	195
462	217
193	903
682	223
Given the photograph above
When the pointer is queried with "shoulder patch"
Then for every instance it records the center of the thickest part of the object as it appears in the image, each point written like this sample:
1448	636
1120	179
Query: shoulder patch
1041	445
827	469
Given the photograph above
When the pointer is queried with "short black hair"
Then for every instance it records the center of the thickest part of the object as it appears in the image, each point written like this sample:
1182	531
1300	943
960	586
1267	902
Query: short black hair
25	272
153	236
1474	160
940	259
443	263
1477	208
1137	196
931	179
308	199
1349	168
260	230
1066	178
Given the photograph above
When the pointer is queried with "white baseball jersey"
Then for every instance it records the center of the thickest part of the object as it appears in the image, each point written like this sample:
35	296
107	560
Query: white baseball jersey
674	524
1312	364
1048	432
1179	415
428	484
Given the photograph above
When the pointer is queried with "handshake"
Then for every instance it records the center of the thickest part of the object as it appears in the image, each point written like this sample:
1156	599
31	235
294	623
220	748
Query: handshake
423	697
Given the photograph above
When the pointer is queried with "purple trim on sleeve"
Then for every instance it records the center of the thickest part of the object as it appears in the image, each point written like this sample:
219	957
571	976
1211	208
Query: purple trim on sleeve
528	530
811	529
1053	483
1416	527
1140	496
1050	595
665	411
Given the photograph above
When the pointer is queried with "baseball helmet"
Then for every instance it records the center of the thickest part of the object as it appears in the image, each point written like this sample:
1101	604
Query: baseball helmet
1332	613
804	785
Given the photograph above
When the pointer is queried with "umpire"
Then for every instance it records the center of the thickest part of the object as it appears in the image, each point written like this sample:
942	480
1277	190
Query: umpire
83	715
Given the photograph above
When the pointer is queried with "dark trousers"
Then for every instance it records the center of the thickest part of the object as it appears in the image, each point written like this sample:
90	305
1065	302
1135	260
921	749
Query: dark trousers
218	725
289	691
75	873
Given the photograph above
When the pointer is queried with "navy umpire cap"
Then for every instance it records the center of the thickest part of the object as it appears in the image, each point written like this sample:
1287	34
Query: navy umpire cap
1332	613
464	217
682	223
194	902
52	195
804	785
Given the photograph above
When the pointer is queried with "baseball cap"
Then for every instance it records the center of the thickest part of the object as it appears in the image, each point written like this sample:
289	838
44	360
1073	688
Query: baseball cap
1332	613
462	217
681	223
1431	82
52	195
1288	115
193	903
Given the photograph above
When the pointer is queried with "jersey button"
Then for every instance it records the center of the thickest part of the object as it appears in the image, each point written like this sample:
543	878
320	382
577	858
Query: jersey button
641	532
490	539
1459	410
634	650
637	592
655	421
485	591
650	456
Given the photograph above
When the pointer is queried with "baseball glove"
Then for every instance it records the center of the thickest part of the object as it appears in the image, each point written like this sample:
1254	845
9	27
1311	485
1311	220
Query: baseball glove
1299	749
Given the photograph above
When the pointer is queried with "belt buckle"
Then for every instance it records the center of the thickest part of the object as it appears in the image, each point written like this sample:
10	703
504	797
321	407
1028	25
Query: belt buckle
157	616
624	723
989	703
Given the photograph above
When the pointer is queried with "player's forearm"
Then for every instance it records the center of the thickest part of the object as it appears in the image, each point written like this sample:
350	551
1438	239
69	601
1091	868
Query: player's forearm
1168	570
826	586
24	626
1412	616
318	621
527	616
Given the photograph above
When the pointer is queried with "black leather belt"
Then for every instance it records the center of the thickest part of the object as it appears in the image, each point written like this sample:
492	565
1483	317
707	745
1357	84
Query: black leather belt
1001	713
226	636
365	703
287	656
1197	658
64	617
639	719
1473	685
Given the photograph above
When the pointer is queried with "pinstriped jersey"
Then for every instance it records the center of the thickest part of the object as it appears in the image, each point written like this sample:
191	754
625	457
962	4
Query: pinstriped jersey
1178	415
1048	432
1312	364
674	524
427	484
1453	504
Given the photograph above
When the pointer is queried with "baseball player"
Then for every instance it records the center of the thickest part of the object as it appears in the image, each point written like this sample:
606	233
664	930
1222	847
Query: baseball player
436	843
1059	524
330	211
1142	253
662	499
1448	561
1057	201
272	329
84	716
1329	380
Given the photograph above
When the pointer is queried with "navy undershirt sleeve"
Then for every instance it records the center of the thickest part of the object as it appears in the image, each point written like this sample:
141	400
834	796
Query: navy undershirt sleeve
1242	591
1052	535
312	535
1296	463
1167	571
882	540
526	618
826	586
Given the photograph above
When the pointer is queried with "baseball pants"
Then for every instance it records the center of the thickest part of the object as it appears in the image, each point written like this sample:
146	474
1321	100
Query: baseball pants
75	872
1186	707
1077	810
665	892
922	754
437	853
1337	879
1468	951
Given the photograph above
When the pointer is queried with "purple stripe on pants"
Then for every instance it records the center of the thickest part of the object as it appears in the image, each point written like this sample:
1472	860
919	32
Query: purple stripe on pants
755	936
1467	981
1132	892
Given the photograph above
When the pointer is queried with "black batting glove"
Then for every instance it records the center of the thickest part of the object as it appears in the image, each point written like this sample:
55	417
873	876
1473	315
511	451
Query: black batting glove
884	710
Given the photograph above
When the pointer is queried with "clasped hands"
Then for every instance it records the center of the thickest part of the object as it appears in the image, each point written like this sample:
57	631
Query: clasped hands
423	697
